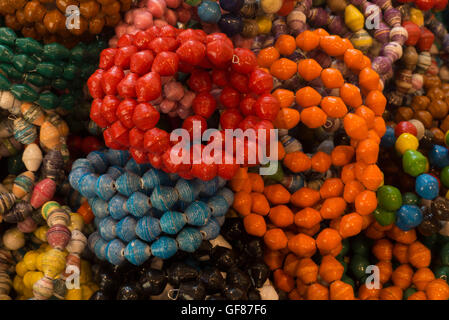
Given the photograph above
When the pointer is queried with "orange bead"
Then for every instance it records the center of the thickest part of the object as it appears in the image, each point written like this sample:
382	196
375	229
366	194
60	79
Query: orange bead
369	79
372	177
307	271
334	107
330	269
283	281
366	62
308	97
365	293
376	101
351	225
285	97
348	173
374	136
351	95
277	194
242	203
321	162
247	186
404	237
332	78
285	44
355	126
340	290
437	290
379	126
305	197
294	294
291	265
309	69
283	68
239	179
259	204
328	239
287	118
273	259
333	208
307	40
313	117
255	225
302	245
365	202
275	239
383	249
348	43
353	58
402	276
297	161
332	187
351	190
367	114
422	277
400	252
419	295
367	221
86	212
373	233
257	184
281	216
359	168
267	56
342	155
317	292
385	271
367	151
321	32
419	255
333	45
307	218
391	293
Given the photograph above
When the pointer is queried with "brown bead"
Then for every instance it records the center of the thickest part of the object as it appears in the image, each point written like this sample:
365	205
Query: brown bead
438	109
54	20
111	9
445	87
19	4
125	5
20	16
11	22
420	103
89	9
83	27
425	117
112	21
34	11
29	32
445	124
105	2
431	81
337	5
46	1
96	25
435	93
40	28
63	4
64	32
438	135
404	114
7	7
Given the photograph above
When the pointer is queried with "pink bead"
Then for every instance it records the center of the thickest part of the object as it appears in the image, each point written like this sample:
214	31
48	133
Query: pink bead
157	8
187	100
157	101
174	91
27	226
43	192
160	23
132	30
120	29
171	17
129	16
173	3
58	236
167	106
143	19
183	113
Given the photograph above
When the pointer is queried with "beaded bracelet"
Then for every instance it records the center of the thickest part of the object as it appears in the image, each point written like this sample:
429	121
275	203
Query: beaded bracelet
124	192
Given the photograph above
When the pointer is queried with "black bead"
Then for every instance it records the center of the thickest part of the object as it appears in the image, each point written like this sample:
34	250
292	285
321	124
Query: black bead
99	295
231	5
153	282
233	229
440	208
108	283
192	290
236	277
180	272
235	293
203	252
212	279
254	247
223	258
253	294
129	291
258	273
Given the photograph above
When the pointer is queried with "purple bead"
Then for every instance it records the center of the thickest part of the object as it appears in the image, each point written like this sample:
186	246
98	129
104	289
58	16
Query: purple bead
318	17
381	64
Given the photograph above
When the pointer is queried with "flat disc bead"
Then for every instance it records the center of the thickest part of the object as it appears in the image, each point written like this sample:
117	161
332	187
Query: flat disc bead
115	252
58	236
138	204
98	160
99	207
115	172
107	228
126	229
98	245
211	230
87	185
105	187
153	178
172	222
197	213
117	157
128	183
148	228
189	239
137	252
163	198
185	190
164	247
218	205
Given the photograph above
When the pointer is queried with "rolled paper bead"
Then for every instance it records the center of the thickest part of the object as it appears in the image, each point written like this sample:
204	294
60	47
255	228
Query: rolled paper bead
77	243
211	230
337	26
58	216
392	16
138	204
32	113
426	39
137	252
318	17
98	160
445	43
135	167
19	212
381	64
126	229
72	260
99	207
439	156
410	57
58	236
53	263
117	207
9	102
43	288
75	177
399	35
115	172
6	128
49	136
13	239
189	239
32	157
6	201
128	183
82	163
227	194
185	190
426	186
163	198
172	222
403	81
107	228
296	21
117	157
76	221
24	132
97	245
59	288
153	178
408	217
218	205
148	228
210	187
361	40
87	185
197	213
52	164
424	61
392	50
115	252
105	187
164	247
354	18
23	184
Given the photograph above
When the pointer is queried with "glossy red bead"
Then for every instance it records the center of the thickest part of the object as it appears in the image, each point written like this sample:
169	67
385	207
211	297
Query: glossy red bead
247	106
219	52
138	155
107	57
228	167
240	82
91	143
197	122
155	160
230	119
267	107
161	44
110	141
414	33
145	116
165	63
204	104
94	84
125	40
109	107
156	140
426	40
123	56
136	138
244	61
405	127
260	82
199	81
142	39
424	5
127	87
125	112
110	79
192	52
96	114
141	62
220	77
120	133
148	87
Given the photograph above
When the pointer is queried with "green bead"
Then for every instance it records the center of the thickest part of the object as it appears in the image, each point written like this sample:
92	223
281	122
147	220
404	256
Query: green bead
71	71
442	272
442	239
48	100
408	292
37	79
410	198
23	63
5	84
384	217
87	70
346	245
414	163
49	70
360	246
29	46
60	84
193	3
444	254
389	198
6	54
358	266
67	101
78	52
430	241
7	36
348	280
343	263
24	92
15	164
444	176
11	71
55	51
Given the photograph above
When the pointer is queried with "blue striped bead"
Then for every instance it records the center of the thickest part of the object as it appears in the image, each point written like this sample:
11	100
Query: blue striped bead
98	160
87	185
116	207
220	220
197	213
126	229
117	157
135	167
115	252
185	190
75	177
189	239
148	228
105	187
138	204
127	183
82	163
153	178
211	230
172	222
24	132
227	194
164	247
163	198
156	213
107	228
97	245
198	186
218	206
99	207
115	172
182	206
210	187
137	252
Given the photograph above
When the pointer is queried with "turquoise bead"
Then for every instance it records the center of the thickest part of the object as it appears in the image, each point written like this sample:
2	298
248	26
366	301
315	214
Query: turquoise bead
426	186
99	207
117	157
227	194
414	163
164	247
49	70
36	79
128	183
126	229
115	172
55	51
189	239
211	230
137	252
210	187
185	190
71	72
75	177
135	167
98	161
116	207
138	204
97	245
107	228
408	217
153	178
11	71
439	156
209	11
148	228
115	252
87	185
7	36
82	163
105	187
23	63
163	198
48	100
172	222
218	205
197	213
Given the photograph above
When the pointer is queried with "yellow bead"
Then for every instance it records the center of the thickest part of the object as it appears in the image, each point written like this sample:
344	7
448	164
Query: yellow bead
30	260
447	195
27	279
18	285
73	294
270	6
406	141
417	16
85	272
354	18
39	261
86	292
53	263
28	293
76	221
264	24
21	268
41	233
